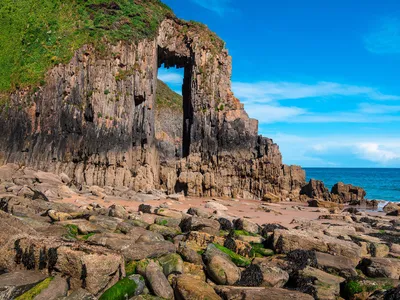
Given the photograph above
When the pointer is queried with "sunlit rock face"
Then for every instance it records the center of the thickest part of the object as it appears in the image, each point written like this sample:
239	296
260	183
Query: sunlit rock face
94	120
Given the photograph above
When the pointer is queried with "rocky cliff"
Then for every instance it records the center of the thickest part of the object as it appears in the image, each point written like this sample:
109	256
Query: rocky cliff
93	118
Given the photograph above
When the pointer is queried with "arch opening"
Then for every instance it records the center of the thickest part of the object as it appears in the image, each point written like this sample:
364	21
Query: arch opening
174	110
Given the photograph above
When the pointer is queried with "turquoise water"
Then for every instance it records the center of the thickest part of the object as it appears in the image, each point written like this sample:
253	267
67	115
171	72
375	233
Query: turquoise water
380	184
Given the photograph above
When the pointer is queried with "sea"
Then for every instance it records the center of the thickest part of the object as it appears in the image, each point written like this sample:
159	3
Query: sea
379	183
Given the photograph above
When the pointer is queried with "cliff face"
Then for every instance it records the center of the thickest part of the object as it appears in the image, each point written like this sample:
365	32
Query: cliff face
94	120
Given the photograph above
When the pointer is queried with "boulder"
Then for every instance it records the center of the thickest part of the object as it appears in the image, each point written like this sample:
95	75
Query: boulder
391	207
127	287
323	204
167	232
95	270
57	288
188	287
171	264
315	189
220	267
193	223
272	276
259	293
16	283
194	270
166	221
131	248
225	224
199	212
169	213
158	282
246	225
176	197
117	211
271	198
189	254
336	264
347	193
318	283
80	294
381	267
216	206
285	241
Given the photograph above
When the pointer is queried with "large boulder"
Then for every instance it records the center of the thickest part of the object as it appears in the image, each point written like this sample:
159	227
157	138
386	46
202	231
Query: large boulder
259	293
318	283
381	267
315	189
220	267
345	193
188	287
16	283
158	282
144	246
285	241
194	223
90	268
336	264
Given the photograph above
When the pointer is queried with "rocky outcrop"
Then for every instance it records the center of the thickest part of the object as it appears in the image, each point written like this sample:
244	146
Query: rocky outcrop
94	121
348	193
315	189
340	192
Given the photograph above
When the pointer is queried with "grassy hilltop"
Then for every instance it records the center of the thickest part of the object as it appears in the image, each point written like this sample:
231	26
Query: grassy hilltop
35	35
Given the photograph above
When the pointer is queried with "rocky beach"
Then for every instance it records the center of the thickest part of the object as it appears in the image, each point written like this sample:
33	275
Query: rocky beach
58	242
113	187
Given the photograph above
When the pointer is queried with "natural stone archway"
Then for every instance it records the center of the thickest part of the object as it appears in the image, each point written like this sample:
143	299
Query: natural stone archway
94	120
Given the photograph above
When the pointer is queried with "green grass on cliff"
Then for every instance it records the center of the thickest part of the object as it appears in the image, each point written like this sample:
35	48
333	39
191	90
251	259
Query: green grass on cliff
167	98
35	35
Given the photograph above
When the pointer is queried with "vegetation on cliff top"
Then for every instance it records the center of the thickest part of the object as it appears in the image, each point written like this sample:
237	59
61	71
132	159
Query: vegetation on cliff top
167	98
39	34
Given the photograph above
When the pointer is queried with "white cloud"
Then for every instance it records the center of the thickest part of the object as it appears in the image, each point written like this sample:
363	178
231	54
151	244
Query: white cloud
268	91
377	153
321	150
385	38
379	109
271	113
171	78
218	6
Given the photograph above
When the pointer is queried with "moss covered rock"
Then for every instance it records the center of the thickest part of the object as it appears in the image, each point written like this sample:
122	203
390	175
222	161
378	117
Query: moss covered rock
239	260
132	285
171	263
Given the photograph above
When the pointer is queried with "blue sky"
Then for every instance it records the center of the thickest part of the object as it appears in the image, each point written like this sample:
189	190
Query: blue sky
322	77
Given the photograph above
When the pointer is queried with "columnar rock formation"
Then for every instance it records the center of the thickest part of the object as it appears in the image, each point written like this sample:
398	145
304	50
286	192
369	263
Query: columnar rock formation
94	120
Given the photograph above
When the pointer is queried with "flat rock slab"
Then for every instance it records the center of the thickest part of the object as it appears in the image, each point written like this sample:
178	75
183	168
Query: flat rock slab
256	293
16	283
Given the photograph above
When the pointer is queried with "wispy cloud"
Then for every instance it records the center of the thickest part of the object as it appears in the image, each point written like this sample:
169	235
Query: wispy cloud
379	108
322	150
273	91
385	38
265	101
218	6
273	113
170	77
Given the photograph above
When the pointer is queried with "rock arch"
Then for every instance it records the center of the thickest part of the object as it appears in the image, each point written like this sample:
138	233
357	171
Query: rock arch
94	120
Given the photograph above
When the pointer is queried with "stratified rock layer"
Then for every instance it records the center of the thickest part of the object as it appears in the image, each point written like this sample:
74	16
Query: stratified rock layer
93	120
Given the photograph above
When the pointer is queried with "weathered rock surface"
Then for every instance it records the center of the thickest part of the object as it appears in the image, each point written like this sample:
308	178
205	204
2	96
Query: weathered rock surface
190	288
259	293
94	123
15	284
347	193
